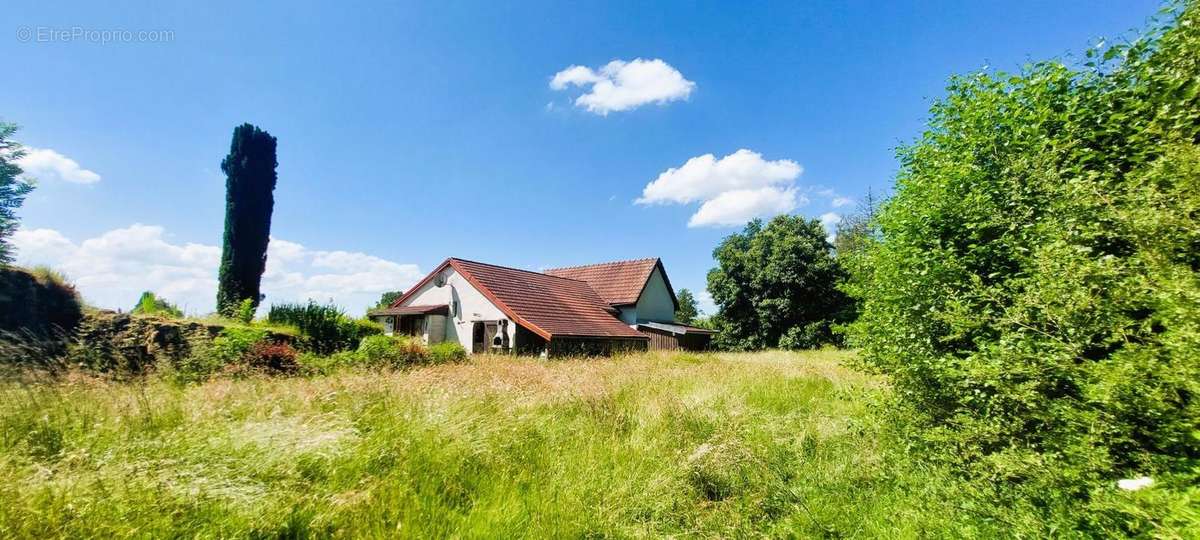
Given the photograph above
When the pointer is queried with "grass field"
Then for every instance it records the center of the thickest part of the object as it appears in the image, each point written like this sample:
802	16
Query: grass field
728	445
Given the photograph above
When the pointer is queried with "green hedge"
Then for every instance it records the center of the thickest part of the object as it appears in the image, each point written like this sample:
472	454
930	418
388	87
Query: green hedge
326	328
1035	295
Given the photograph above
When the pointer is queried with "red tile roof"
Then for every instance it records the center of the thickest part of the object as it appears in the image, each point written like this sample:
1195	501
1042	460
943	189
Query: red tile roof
549	306
619	283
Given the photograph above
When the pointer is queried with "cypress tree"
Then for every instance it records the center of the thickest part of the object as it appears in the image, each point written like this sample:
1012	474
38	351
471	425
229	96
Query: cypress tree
249	186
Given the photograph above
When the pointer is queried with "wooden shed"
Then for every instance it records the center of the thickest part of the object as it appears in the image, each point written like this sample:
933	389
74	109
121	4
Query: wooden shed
675	336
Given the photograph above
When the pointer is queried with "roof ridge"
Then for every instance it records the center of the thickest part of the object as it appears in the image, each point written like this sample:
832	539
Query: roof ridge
519	270
643	259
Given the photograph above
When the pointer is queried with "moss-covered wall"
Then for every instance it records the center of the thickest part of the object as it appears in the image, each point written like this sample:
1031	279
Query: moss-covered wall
37	305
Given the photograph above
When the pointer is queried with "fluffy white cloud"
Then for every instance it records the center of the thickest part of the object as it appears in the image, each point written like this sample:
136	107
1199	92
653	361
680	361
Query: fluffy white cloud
839	202
736	207
733	190
704	177
112	269
621	85
43	163
830	220
704	302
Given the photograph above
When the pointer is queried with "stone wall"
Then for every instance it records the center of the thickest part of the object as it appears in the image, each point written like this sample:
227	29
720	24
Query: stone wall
107	340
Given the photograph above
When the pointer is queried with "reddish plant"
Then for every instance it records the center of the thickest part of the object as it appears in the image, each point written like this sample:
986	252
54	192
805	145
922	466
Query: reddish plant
274	357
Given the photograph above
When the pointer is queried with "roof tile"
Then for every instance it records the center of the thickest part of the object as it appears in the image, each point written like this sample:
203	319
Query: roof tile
557	305
618	283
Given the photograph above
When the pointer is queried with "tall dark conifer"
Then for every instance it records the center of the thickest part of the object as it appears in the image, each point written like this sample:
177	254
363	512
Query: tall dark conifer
249	200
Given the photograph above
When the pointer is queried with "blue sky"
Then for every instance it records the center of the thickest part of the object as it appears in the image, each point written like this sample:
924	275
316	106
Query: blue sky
412	132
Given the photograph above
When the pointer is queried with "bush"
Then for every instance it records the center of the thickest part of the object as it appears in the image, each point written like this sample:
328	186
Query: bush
203	362
245	311
150	304
271	357
238	350
379	350
388	351
447	351
1035	295
808	336
234	343
354	330
325	327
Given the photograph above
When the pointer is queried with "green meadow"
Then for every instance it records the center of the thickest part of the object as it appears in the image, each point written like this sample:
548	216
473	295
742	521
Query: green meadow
723	445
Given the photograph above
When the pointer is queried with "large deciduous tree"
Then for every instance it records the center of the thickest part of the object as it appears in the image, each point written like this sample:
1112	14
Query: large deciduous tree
776	285
13	189
249	200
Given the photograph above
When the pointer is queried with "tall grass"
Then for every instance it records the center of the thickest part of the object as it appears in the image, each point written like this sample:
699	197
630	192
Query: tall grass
732	445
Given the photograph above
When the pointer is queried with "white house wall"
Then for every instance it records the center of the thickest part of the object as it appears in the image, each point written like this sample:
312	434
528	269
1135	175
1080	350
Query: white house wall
655	302
473	306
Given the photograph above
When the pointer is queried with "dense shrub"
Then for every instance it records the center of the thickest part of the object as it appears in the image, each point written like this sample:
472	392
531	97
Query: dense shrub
234	343
325	328
1035	295
379	350
389	351
235	351
245	311
447	351
271	357
151	304
807	336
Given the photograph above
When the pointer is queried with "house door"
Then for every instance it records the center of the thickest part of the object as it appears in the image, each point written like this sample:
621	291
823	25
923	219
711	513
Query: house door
478	338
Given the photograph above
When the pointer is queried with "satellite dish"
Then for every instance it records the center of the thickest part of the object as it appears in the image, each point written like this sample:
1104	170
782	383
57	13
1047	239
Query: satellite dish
439	280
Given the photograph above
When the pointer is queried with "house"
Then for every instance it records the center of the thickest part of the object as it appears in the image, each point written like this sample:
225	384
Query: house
594	309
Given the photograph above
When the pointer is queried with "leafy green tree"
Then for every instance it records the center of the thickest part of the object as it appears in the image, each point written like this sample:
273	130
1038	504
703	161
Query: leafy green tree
387	298
775	279
151	304
1035	292
249	201
857	229
13	189
687	311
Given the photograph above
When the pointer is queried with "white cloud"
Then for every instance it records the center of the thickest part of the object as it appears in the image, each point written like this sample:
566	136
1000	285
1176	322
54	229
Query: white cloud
830	220
704	302
733	190
839	202
112	269
736	207
42	163
621	85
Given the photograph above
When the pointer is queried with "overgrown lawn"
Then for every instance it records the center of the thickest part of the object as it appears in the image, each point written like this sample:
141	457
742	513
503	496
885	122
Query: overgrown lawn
729	445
